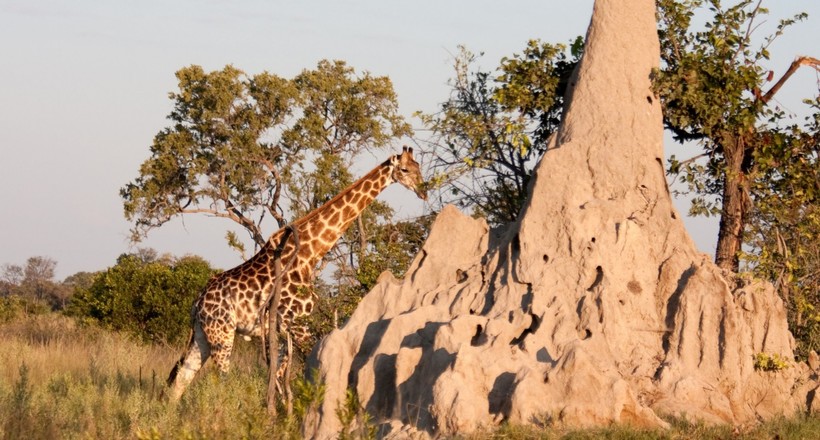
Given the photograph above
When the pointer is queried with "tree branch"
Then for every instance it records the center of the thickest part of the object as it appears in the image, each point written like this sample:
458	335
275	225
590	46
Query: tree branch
796	64
681	135
234	215
277	192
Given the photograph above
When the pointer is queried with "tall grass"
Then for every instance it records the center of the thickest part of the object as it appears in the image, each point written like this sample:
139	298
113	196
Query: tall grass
60	380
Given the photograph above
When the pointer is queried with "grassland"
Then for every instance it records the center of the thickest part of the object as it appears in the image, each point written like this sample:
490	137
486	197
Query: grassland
59	380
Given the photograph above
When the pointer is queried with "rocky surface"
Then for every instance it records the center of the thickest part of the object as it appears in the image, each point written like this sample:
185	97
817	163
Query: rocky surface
595	308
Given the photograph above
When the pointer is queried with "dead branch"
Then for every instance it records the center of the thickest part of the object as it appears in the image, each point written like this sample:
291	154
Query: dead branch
796	64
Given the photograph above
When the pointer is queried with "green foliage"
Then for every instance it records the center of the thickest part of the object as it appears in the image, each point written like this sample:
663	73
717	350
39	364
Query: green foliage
250	148
711	87
391	247
356	423
214	158
150	299
20	403
308	394
13	307
712	90
493	128
783	235
770	362
241	146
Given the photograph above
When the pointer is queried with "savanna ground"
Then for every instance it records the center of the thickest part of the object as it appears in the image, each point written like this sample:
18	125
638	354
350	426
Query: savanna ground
62	380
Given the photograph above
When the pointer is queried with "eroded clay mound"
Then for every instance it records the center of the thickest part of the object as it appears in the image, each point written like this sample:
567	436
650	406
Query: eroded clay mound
594	309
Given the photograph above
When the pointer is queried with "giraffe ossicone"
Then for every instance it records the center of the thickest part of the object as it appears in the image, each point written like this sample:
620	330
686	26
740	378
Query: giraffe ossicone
231	301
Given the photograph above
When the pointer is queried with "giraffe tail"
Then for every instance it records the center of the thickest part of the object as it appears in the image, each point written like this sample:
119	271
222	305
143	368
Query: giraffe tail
173	375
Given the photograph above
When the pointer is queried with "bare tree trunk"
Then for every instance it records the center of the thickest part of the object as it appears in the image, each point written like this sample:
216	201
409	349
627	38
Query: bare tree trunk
735	197
735	209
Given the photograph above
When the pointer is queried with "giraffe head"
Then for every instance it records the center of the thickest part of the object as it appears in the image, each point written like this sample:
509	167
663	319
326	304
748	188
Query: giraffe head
407	172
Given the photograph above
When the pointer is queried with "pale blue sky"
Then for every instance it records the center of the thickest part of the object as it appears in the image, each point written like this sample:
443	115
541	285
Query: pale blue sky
84	86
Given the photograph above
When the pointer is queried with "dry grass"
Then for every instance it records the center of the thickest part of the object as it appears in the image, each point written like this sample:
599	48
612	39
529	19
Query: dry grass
59	380
52	345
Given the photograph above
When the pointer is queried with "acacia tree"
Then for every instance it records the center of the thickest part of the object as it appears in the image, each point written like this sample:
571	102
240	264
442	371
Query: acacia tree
341	117
218	157
712	86
248	148
491	131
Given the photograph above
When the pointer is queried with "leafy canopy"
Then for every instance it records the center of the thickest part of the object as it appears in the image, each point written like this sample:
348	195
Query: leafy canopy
243	147
254	148
145	296
491	131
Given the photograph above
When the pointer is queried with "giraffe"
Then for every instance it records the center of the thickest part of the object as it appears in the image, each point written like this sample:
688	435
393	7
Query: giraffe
231	301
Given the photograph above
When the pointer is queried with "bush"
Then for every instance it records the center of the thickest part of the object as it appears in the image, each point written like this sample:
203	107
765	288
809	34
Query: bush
12	307
148	299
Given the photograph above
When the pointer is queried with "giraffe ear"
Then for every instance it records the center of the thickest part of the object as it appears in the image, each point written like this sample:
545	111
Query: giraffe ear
406	149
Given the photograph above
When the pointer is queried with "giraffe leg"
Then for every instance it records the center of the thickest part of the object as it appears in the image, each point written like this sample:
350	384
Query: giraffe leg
185	370
221	352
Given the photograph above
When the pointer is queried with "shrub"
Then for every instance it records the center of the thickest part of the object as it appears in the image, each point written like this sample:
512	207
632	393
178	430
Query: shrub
12	307
770	362
148	299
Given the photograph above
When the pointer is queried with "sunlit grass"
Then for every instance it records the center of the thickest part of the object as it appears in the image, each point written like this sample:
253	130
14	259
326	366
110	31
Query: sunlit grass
60	380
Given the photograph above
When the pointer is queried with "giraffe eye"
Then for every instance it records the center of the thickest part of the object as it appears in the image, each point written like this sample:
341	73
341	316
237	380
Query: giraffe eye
403	170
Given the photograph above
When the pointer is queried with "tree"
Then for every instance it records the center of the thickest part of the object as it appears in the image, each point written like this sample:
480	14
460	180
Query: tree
492	130
249	148
35	282
342	116
13	274
711	85
783	238
239	143
253	148
216	158
150	299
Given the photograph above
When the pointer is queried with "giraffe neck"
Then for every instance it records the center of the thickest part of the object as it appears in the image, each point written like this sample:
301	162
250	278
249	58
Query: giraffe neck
321	228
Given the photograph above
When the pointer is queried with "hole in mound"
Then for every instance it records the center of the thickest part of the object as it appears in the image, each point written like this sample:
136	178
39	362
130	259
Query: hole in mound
479	337
461	276
599	276
535	321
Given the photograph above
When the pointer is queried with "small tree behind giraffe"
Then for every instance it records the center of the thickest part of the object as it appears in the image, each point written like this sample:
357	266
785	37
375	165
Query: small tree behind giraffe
231	301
